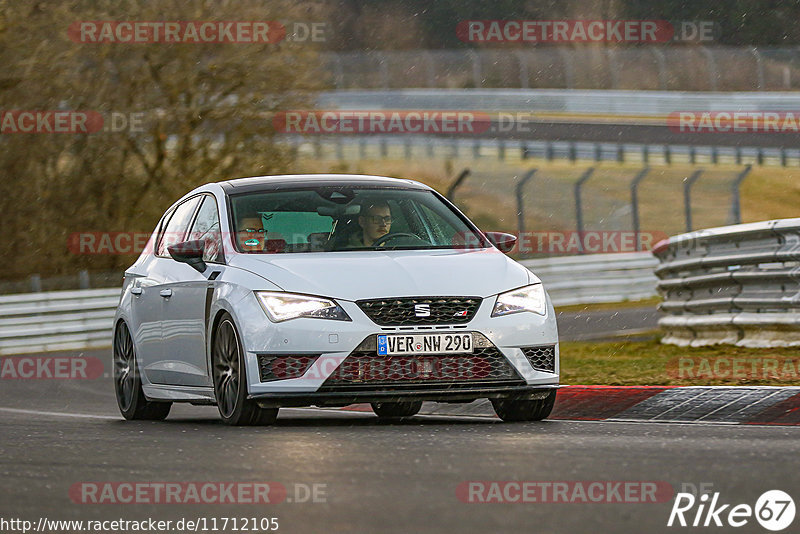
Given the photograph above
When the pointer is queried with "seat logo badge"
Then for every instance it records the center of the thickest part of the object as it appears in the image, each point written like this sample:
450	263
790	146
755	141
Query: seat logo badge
422	310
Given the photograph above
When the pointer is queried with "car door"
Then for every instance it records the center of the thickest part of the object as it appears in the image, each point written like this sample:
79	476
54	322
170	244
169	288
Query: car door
186	309
146	304
150	305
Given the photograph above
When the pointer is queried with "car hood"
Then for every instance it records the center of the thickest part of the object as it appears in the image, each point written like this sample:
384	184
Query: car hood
396	273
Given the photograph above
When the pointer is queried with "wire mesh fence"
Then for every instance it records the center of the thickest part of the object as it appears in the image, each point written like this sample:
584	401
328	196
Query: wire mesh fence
354	147
548	212
650	199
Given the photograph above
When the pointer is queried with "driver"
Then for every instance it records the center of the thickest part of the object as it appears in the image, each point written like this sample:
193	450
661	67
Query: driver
375	220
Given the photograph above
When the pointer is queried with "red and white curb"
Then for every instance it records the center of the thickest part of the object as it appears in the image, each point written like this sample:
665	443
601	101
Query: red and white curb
744	405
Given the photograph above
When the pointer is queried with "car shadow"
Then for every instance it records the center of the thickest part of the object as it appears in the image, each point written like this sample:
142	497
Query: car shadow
324	420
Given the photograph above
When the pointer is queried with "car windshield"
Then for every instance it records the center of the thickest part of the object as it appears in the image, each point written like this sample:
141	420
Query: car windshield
339	218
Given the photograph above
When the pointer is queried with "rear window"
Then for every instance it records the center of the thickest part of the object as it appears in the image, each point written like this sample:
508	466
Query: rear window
295	226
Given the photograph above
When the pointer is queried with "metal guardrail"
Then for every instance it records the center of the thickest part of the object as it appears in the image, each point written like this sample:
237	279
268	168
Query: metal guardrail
411	147
78	320
734	285
646	67
57	320
35	283
597	277
560	101
597	125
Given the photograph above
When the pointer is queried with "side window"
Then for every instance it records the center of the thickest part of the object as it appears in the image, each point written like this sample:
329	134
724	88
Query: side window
206	227
177	225
162	229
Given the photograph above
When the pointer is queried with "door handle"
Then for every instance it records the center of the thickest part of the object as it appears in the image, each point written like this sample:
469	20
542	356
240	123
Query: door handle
136	291
166	293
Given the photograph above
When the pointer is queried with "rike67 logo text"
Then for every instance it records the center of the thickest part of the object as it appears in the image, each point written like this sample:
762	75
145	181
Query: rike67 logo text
774	510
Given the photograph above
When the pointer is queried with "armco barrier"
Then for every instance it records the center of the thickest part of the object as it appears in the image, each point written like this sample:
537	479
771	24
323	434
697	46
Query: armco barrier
57	320
76	320
415	147
735	285
571	102
597	277
646	67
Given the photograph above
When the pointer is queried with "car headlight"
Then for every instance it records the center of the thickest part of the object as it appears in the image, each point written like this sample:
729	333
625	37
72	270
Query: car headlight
284	306
530	298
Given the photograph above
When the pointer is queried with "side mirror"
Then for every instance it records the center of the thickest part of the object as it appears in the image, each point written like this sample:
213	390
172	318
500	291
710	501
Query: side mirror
189	252
505	242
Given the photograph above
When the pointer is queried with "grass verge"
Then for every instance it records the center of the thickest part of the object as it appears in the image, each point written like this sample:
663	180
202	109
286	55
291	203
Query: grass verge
600	306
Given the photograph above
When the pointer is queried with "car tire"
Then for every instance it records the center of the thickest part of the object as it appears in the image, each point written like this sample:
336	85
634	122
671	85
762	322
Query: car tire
396	409
133	405
229	375
511	410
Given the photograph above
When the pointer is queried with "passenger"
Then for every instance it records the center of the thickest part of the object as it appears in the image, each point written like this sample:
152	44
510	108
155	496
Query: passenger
251	234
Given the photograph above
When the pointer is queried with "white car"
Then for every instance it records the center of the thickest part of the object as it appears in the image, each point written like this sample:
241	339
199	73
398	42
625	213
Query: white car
327	290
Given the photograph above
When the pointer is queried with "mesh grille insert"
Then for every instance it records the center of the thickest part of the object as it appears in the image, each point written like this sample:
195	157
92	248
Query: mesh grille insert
365	367
542	358
282	366
420	310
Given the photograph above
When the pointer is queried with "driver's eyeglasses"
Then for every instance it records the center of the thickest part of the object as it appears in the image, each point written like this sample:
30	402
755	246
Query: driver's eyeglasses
254	230
377	219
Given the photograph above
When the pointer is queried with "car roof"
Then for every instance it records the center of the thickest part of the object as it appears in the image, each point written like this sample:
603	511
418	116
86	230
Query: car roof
286	181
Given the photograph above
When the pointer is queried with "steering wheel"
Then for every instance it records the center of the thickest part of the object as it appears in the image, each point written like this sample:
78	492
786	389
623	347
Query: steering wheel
388	237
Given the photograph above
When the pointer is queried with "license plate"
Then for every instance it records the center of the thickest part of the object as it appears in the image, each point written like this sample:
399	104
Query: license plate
389	344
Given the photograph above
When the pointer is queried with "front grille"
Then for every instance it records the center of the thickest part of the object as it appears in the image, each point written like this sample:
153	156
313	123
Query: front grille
420	310
542	358
283	366
364	367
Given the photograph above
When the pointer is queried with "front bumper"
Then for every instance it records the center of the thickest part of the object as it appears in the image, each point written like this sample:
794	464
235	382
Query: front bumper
331	342
437	394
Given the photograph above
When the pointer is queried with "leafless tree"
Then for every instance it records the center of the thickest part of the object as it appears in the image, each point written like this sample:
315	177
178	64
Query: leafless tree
201	112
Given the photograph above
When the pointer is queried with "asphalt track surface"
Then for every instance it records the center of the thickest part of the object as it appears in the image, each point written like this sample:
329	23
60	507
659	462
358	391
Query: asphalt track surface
528	127
377	476
606	324
627	132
